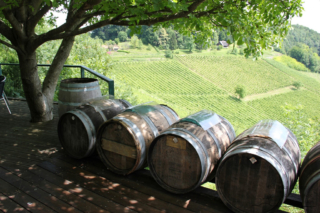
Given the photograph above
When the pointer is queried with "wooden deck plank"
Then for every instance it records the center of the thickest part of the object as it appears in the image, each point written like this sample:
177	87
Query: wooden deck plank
8	205
38	194
147	185
142	201
22	198
74	199
97	185
76	189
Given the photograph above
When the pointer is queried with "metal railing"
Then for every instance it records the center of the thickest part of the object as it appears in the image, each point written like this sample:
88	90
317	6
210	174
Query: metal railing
82	71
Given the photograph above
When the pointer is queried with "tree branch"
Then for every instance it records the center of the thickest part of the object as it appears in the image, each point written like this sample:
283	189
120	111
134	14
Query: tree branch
6	31
11	46
33	21
14	23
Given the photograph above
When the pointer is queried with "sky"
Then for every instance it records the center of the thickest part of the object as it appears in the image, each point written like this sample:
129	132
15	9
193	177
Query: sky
310	16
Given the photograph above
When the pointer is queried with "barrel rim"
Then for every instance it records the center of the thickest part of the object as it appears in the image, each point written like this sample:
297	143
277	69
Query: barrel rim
267	157
62	142
311	181
78	80
204	171
106	161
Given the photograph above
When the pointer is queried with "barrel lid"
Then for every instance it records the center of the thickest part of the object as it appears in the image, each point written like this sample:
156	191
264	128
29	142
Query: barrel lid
271	129
204	118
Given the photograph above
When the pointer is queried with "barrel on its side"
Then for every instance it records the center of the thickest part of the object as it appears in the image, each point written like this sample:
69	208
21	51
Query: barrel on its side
124	140
309	180
74	92
186	155
259	169
77	128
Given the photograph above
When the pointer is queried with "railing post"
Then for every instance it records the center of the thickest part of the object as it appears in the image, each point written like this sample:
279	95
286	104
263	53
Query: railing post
0	70
82	72
111	88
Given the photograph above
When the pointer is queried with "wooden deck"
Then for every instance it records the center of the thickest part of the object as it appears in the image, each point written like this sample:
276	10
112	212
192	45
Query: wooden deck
36	176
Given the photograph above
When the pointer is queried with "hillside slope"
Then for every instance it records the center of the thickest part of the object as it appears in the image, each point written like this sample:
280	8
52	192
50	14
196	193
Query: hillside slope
192	83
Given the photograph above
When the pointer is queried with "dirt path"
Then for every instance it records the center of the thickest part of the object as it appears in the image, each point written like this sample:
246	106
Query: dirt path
270	93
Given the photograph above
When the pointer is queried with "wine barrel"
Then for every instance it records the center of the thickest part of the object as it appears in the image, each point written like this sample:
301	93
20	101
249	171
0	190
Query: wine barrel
186	155
74	92
259	169
124	140
309	180
77	128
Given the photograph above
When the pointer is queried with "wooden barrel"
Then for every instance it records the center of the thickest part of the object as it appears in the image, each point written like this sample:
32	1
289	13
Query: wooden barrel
309	180
259	169
124	140
74	92
77	128
186	155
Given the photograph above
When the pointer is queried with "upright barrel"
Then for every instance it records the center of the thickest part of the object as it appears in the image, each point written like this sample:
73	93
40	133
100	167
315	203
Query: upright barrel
186	155
77	128
74	92
259	169
309	180
124	140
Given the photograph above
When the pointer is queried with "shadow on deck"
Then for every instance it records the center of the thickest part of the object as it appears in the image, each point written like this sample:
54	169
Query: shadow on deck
36	176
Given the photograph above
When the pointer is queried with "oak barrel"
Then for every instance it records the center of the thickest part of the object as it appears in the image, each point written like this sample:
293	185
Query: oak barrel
124	140
309	180
77	128
186	155
259	169
74	92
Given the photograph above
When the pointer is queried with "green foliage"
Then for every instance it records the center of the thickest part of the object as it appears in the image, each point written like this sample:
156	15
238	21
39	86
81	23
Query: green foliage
117	40
219	47
291	62
149	47
240	90
305	128
297	84
122	36
228	71
124	51
168	54
309	83
134	41
301	34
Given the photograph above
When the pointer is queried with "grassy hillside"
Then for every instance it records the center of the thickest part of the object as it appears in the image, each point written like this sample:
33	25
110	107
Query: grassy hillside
194	82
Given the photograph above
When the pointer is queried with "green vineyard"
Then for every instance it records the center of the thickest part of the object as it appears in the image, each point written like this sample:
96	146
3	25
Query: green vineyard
192	83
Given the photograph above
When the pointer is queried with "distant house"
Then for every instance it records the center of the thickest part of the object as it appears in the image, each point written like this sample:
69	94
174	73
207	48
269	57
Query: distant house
115	48
223	43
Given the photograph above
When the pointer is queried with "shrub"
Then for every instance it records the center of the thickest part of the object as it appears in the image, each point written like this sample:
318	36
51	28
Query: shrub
297	84
116	40
168	54
219	47
149	47
240	91
291	62
176	52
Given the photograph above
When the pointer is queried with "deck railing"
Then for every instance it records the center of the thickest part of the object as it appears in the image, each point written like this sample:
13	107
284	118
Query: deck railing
82	72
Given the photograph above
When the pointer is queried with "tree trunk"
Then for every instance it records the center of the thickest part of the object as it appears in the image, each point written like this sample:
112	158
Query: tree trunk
40	108
40	99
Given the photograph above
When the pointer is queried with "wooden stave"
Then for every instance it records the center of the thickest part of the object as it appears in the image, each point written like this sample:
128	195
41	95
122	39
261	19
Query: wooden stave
309	179
70	86
279	165
91	116
207	172
141	161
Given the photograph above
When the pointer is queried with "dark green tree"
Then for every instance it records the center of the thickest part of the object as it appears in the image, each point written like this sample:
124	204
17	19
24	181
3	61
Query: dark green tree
173	45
